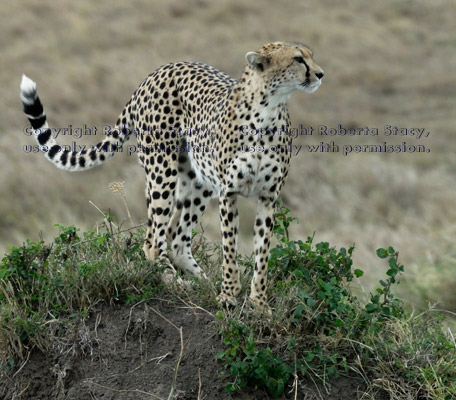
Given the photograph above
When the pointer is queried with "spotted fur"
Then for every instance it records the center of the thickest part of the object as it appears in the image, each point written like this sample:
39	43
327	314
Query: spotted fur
190	121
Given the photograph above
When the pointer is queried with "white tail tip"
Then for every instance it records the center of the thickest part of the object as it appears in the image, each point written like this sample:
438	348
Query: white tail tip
28	90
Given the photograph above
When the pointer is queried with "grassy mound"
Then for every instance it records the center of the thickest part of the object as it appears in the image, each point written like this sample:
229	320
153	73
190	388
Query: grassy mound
319	330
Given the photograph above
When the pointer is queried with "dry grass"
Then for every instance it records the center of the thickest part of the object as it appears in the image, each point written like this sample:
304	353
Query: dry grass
386	63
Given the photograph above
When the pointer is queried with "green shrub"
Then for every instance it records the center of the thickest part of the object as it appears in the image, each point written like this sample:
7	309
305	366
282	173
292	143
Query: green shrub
319	328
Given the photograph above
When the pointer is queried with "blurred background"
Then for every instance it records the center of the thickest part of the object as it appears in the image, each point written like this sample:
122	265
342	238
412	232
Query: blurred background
386	63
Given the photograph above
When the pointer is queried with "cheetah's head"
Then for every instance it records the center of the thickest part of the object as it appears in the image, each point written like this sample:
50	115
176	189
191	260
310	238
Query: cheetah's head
286	67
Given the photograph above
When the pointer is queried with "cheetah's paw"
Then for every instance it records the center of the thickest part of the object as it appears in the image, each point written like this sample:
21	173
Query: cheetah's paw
227	300
261	306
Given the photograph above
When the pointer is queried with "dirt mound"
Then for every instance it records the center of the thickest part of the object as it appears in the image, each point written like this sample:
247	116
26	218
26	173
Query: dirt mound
133	353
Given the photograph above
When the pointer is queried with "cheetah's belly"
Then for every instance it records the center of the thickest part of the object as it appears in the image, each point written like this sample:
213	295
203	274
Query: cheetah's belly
205	172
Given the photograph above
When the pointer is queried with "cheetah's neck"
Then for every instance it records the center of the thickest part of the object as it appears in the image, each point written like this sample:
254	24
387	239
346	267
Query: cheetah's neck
259	101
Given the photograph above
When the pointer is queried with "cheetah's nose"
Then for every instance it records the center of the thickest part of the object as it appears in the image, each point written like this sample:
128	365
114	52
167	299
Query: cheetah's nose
320	75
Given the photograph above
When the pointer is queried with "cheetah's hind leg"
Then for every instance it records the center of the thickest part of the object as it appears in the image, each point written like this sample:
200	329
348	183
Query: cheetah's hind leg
159	206
192	198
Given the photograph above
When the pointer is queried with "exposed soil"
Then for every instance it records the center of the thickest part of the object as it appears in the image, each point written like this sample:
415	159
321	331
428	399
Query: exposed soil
132	353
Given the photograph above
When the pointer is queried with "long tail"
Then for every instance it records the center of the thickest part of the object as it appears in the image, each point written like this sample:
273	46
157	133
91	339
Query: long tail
70	160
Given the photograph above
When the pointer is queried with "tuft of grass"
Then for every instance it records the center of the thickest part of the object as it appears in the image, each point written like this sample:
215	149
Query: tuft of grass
435	280
44	288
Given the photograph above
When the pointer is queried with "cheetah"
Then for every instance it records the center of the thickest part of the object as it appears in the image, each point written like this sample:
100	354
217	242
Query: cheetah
190	121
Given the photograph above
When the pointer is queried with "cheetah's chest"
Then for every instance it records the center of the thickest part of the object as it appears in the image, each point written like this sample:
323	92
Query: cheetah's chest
254	175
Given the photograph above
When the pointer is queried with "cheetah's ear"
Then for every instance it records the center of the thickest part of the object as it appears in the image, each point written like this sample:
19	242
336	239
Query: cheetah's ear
257	61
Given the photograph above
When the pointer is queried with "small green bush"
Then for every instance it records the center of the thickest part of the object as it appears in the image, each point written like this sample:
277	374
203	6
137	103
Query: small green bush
319	328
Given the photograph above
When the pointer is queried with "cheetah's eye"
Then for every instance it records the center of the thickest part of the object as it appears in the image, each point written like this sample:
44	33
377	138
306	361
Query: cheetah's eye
300	60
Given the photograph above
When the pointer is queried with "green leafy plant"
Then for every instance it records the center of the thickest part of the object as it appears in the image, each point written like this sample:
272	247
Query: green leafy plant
250	365
313	298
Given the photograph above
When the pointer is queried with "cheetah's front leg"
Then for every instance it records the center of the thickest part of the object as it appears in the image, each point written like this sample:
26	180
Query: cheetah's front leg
229	216
264	223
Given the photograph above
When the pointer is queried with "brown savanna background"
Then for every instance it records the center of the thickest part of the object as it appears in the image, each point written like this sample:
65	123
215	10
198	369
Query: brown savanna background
387	63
